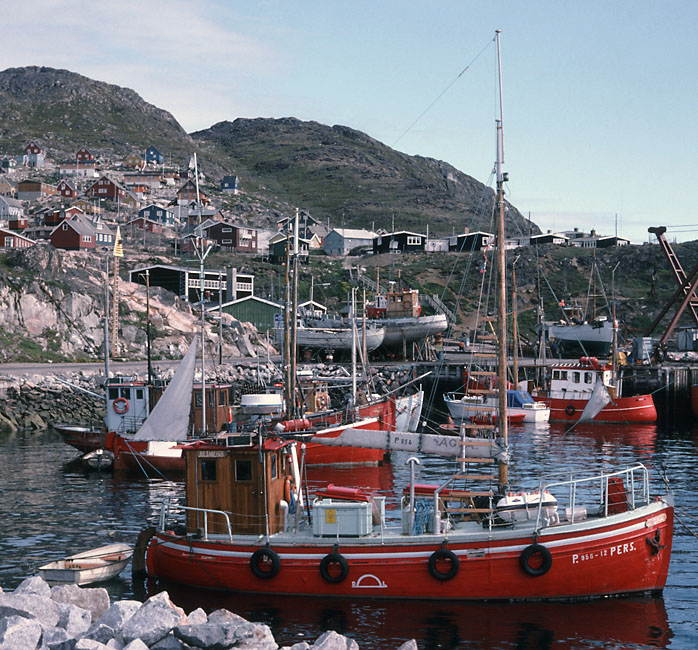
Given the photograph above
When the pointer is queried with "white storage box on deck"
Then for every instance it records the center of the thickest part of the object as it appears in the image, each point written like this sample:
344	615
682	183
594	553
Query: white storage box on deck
341	518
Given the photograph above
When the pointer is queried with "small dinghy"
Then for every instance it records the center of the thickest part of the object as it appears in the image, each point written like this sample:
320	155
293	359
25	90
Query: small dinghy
96	565
99	459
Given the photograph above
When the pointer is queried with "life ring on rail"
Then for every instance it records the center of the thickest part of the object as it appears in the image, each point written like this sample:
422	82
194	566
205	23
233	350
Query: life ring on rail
265	563
570	410
537	568
329	565
120	405
443	554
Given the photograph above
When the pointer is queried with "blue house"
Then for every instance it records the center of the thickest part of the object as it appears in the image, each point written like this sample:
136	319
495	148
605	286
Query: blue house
152	155
157	213
229	185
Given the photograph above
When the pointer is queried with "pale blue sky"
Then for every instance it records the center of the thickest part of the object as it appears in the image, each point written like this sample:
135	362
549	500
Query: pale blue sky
600	97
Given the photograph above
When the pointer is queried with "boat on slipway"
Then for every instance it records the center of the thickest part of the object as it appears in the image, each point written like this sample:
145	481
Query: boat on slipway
246	527
520	405
590	390
336	339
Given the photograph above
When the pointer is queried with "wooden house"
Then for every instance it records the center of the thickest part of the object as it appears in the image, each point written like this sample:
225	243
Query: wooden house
187	193
66	190
229	185
278	244
11	208
54	216
149	225
8	163
7	186
152	179
231	237
402	241
341	241
134	161
185	282
18	223
34	155
83	154
157	213
469	242
548	238
30	190
153	156
106	188
252	309
10	239
74	234
79	168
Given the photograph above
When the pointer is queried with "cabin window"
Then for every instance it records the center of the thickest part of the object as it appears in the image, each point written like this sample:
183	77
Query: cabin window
126	393
243	470
210	399
556	374
221	397
139	393
274	467
563	374
575	377
208	469
587	378
231	395
113	393
197	399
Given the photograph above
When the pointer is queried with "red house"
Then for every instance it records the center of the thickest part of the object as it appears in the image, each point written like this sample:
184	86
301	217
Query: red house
148	224
54	217
106	188
83	155
66	189
187	193
74	234
9	239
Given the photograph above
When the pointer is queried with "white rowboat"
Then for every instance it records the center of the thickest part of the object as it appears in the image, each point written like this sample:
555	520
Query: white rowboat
96	565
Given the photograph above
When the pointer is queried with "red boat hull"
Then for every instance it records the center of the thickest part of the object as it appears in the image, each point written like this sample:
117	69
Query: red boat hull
83	439
622	410
612	556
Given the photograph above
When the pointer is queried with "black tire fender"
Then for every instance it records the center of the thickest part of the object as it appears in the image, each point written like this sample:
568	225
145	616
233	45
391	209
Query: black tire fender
444	554
525	560
265	556
570	410
330	559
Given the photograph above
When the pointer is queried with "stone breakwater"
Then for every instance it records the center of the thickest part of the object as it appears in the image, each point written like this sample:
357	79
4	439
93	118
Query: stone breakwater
36	616
34	402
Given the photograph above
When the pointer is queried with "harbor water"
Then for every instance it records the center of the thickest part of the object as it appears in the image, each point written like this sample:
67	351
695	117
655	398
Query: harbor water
50	507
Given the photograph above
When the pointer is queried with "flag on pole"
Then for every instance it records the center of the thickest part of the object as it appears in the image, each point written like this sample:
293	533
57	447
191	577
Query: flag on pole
118	248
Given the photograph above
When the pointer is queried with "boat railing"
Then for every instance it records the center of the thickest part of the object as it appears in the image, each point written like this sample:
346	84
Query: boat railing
165	515
635	491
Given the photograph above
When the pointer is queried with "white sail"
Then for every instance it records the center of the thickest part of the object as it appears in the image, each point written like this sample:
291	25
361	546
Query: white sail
415	442
598	399
169	420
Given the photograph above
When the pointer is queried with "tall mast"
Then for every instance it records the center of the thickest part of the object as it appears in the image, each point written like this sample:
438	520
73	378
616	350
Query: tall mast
501	277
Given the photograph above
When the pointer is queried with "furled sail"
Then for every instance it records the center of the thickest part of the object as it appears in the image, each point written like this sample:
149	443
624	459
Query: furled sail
169	420
426	443
598	399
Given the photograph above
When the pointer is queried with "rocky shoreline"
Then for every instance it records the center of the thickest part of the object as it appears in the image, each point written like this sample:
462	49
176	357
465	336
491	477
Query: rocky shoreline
36	616
35	402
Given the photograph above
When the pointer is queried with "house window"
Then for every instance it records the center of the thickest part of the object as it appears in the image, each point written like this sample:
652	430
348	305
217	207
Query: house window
208	469
414	241
226	241
227	229
243	470
65	226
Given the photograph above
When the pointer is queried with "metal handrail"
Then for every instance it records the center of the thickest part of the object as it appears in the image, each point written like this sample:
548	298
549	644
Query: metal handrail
628	472
164	511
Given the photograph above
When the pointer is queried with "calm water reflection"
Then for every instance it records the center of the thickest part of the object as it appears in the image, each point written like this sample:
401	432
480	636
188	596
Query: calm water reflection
49	507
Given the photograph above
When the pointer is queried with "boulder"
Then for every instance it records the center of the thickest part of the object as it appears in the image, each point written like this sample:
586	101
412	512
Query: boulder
153	620
331	640
89	644
56	638
34	585
136	644
94	600
225	616
73	619
197	617
409	645
118	614
170	642
30	605
100	633
19	633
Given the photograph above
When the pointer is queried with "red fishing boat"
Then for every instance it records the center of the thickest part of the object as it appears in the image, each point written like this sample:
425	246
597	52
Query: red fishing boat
249	528
590	384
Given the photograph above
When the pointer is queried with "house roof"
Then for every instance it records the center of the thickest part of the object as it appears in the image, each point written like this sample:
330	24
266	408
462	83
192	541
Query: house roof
354	233
246	298
10	202
402	232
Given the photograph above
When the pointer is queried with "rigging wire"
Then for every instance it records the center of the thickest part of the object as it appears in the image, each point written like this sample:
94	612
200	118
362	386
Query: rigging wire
442	93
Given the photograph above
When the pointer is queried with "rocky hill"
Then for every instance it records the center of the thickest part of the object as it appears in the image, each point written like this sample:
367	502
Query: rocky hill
333	172
52	308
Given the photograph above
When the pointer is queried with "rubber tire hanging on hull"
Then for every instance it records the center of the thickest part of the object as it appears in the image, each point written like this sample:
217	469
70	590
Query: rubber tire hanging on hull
333	558
525	560
266	555
444	554
570	410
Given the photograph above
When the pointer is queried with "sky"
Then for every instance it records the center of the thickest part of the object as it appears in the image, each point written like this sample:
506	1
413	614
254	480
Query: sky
600	98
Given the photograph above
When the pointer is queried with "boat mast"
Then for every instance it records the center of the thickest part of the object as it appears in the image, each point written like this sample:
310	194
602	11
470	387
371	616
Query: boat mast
501	277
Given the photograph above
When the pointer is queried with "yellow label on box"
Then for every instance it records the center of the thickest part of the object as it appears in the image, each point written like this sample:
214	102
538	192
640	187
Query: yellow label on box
330	516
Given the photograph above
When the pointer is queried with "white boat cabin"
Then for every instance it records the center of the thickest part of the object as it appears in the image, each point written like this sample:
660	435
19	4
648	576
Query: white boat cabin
577	380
